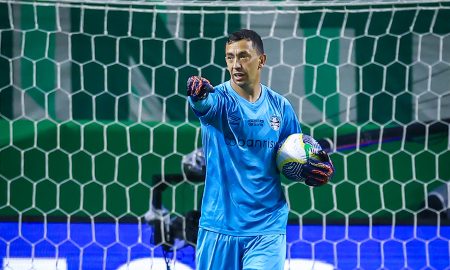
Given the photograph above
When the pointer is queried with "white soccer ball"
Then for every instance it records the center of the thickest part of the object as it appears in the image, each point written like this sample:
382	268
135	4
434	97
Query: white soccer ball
294	152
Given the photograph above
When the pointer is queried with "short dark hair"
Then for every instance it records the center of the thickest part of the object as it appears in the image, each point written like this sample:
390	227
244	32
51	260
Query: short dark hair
247	35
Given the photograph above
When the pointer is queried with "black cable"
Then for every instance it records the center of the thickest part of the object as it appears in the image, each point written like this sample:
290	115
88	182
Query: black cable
166	258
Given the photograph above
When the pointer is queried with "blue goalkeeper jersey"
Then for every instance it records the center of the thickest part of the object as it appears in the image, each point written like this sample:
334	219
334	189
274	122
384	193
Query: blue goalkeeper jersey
243	195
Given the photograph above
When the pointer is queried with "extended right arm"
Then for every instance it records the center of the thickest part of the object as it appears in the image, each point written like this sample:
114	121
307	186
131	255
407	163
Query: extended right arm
198	90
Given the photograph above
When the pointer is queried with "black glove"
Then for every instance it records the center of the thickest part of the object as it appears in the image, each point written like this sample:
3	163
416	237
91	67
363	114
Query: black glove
318	172
198	88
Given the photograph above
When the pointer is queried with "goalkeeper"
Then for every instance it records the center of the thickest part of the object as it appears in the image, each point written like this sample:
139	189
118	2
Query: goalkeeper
244	212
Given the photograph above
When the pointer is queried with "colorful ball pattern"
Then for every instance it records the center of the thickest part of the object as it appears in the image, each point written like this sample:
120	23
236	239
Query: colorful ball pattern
294	152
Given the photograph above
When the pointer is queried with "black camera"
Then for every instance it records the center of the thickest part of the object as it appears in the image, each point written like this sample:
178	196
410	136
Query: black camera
174	232
170	230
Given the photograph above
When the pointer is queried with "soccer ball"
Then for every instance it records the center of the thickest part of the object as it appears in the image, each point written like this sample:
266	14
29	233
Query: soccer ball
294	152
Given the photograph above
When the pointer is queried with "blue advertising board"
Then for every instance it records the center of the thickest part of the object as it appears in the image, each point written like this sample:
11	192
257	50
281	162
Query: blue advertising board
111	246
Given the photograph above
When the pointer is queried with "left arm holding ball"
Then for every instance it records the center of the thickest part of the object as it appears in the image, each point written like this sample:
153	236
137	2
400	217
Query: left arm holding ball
318	172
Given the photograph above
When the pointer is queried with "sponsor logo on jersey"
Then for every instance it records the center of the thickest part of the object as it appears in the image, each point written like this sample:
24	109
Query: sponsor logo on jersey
251	143
275	122
255	122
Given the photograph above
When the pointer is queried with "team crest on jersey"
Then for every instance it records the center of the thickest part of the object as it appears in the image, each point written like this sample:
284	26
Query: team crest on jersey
275	122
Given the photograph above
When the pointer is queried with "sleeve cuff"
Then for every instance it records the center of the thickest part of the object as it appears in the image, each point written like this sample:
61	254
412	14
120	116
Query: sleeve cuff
201	106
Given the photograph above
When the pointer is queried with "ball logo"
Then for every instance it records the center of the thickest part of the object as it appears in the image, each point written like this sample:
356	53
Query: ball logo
275	122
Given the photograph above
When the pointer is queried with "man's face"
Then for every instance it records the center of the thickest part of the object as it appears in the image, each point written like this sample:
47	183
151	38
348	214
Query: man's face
244	63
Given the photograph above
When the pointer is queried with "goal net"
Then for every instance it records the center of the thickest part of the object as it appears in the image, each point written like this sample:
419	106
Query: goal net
94	126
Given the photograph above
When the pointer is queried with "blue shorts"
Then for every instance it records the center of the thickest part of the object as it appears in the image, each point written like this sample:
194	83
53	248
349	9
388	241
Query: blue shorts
217	251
